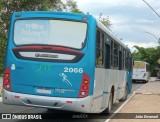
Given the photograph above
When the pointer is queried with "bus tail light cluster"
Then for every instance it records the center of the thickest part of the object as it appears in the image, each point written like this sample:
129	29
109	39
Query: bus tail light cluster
144	75
6	79
85	85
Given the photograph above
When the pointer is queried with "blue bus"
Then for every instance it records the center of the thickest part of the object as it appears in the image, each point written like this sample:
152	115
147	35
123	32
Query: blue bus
64	61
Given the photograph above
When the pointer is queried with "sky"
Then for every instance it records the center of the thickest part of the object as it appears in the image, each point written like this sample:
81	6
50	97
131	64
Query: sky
132	20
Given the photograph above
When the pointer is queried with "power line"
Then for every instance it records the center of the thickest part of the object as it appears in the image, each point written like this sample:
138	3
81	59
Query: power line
151	8
158	39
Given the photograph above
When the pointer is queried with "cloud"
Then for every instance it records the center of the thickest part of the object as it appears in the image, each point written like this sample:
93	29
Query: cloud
153	3
130	19
111	3
130	45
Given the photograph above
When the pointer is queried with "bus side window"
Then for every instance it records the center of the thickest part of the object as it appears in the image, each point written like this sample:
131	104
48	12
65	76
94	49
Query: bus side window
120	60
123	59
115	55
127	60
99	49
112	50
107	56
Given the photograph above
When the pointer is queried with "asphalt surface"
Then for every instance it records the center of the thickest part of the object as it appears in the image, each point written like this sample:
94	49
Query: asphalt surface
21	109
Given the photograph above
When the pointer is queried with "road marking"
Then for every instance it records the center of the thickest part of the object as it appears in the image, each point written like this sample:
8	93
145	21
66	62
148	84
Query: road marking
123	104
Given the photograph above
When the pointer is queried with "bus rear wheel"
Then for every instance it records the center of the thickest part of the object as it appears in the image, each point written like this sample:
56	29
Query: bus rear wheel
110	103
125	94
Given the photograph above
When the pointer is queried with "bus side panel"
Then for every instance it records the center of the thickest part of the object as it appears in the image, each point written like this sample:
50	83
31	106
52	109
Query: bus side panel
104	80
98	89
122	81
90	64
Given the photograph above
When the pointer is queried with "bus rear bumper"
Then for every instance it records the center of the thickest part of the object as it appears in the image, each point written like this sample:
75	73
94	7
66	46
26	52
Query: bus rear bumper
70	104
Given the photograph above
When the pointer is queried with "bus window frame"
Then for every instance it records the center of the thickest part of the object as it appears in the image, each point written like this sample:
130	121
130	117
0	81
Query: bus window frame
102	34
50	18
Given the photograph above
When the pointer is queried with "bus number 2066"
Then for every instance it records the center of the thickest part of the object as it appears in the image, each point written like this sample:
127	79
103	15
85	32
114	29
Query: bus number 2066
73	70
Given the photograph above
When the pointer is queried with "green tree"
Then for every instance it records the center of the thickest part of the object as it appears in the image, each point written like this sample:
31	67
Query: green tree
10	6
105	21
2	52
150	55
71	6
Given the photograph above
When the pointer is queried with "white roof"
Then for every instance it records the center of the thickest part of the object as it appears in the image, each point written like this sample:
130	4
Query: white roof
142	61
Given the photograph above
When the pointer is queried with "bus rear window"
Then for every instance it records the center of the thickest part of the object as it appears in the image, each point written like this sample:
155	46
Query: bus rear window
50	32
139	65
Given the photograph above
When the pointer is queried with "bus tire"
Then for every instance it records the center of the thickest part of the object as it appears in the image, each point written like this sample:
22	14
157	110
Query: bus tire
146	81
124	98
110	103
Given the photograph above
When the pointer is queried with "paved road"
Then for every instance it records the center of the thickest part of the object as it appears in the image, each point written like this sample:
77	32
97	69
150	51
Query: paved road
22	109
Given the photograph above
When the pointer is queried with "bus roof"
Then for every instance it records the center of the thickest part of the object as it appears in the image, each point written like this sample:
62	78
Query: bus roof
105	29
99	24
52	12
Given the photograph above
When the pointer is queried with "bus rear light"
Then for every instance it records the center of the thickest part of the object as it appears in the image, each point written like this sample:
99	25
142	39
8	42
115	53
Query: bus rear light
85	82
6	80
85	85
83	93
8	86
6	75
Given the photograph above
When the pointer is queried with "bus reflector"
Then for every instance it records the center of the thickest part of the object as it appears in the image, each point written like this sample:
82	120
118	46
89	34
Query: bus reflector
69	102
17	97
85	85
6	80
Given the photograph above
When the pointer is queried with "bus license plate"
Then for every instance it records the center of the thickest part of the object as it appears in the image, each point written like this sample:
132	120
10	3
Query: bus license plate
44	91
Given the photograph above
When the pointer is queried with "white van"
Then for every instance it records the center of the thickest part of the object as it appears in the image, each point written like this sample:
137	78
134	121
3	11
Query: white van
141	71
